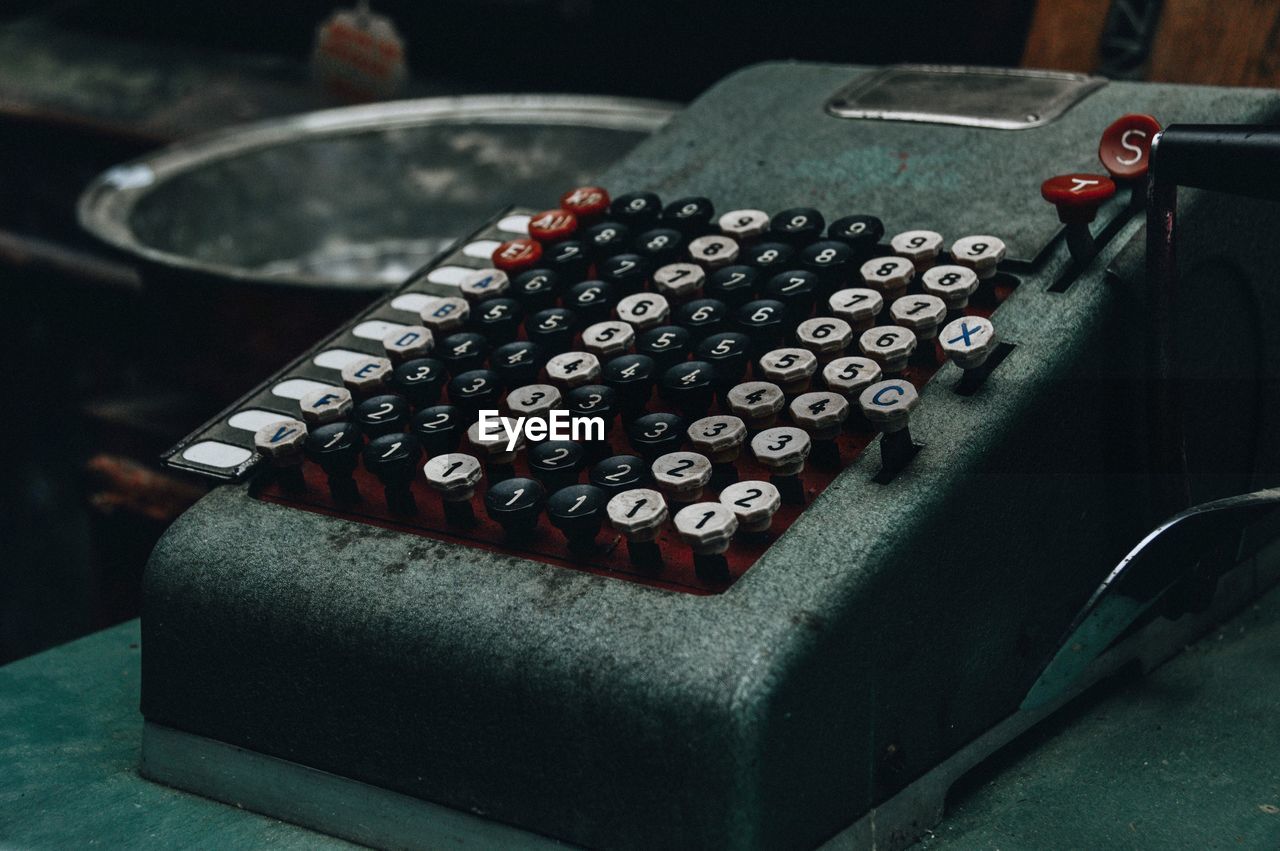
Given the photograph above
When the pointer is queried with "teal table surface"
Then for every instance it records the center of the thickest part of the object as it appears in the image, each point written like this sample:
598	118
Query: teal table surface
1188	757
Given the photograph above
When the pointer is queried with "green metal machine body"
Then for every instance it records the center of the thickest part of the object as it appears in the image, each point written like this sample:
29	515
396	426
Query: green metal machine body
885	631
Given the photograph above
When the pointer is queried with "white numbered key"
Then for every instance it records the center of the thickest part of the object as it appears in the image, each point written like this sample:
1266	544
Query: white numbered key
821	413
573	369
608	339
889	275
492	446
757	403
719	437
849	375
679	281
981	253
713	252
825	336
453	475
753	502
638	514
790	368
707	527
859	306
921	313
782	449
682	475
533	400
744	224
888	345
921	247
955	285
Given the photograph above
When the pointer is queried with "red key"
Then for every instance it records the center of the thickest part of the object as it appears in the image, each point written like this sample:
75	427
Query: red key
585	202
517	255
553	225
1125	149
1077	196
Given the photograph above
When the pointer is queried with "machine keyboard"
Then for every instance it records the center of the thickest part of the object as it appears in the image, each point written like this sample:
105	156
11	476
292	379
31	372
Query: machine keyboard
736	362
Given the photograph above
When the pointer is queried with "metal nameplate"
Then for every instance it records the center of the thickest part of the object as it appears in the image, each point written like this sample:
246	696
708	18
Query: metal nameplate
994	98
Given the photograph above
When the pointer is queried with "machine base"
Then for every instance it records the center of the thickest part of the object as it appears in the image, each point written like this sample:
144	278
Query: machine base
377	817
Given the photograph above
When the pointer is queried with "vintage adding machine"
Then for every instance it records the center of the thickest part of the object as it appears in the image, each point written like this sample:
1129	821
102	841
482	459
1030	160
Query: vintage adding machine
886	437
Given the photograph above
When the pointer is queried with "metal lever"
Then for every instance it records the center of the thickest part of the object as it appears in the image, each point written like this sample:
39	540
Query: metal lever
1174	553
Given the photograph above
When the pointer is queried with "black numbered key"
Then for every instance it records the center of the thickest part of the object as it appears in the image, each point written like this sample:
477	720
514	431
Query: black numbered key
691	215
517	363
606	239
795	288
659	246
475	389
768	256
637	210
438	428
733	285
463	351
860	233
728	352
689	387
668	345
831	260
797	225
497	320
592	301
336	447
764	321
568	259
393	458
701	317
578	511
627	272
557	463
656	434
632	378
552	329
619	473
536	289
593	400
515	504
383	414
419	380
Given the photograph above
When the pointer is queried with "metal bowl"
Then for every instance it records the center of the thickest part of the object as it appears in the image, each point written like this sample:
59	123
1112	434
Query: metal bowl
253	242
356	198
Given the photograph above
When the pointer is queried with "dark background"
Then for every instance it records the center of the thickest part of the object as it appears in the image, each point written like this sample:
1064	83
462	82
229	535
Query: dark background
86	85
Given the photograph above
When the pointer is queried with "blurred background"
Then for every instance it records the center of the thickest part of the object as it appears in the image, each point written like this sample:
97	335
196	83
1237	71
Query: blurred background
108	368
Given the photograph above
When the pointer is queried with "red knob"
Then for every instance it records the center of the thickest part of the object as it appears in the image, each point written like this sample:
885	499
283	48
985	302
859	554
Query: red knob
517	255
1077	196
585	202
1125	149
553	225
